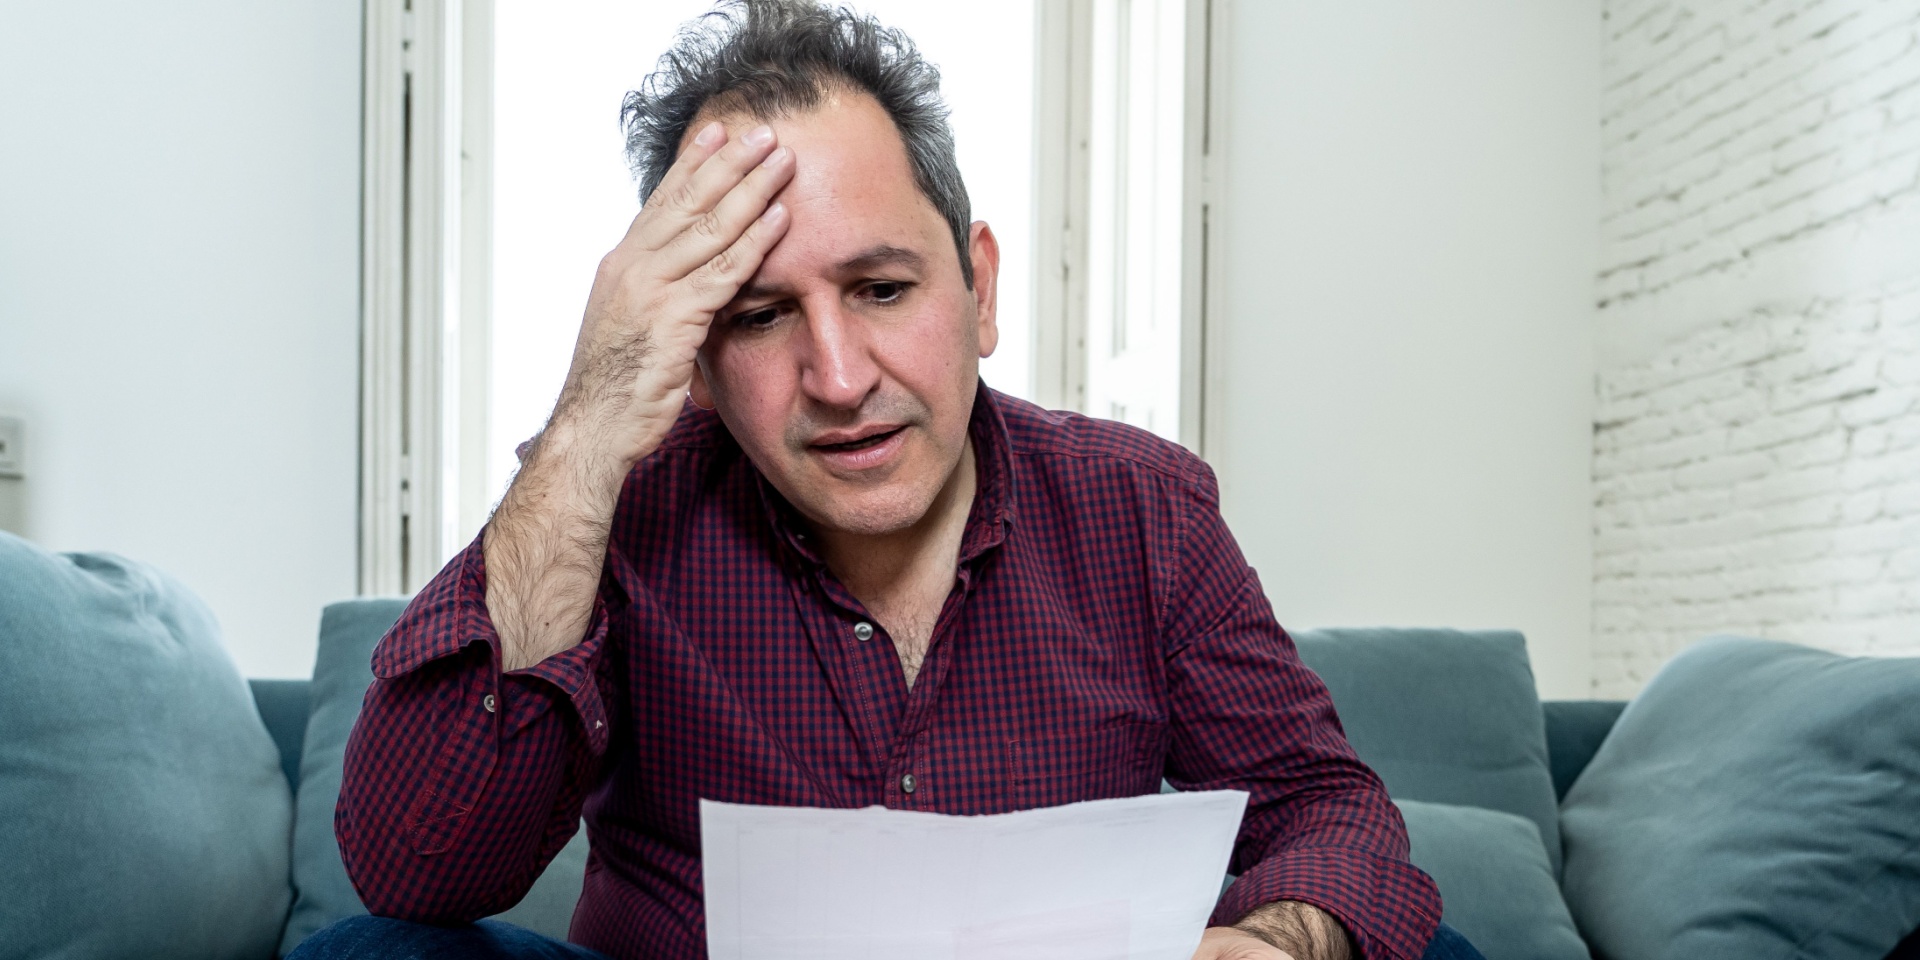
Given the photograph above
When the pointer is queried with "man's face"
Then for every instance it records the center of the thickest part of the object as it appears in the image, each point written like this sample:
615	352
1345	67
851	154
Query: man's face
846	367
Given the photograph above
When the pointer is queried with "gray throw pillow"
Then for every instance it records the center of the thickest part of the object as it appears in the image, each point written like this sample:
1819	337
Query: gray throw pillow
1496	886
142	808
1444	716
342	672
1757	799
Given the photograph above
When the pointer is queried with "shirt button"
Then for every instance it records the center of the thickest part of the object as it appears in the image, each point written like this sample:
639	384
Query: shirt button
490	703
863	631
907	783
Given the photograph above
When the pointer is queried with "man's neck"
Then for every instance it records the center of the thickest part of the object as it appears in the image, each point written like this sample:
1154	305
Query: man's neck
878	568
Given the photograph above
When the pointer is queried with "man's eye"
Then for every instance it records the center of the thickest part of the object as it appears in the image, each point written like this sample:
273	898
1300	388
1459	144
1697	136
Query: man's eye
886	291
756	318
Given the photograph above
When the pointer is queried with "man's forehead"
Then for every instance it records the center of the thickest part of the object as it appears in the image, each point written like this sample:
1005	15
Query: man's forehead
739	114
845	147
854	203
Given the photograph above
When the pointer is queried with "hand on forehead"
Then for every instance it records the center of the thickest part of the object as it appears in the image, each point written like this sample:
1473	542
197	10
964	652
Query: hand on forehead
853	187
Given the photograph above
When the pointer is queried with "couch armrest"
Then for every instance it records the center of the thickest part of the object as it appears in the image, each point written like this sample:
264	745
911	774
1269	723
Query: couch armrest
1575	729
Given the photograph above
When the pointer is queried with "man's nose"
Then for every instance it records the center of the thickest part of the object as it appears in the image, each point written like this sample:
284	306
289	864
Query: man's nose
837	367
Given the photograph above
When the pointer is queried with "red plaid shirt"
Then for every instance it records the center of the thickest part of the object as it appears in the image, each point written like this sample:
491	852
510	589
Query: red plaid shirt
1103	631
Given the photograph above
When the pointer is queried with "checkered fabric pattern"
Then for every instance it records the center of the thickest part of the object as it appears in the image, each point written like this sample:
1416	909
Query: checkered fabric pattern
1103	631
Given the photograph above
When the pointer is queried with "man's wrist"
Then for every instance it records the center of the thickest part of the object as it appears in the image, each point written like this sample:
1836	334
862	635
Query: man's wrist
574	460
545	545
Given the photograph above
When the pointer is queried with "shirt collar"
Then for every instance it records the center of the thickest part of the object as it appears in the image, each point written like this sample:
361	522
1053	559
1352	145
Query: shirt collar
988	519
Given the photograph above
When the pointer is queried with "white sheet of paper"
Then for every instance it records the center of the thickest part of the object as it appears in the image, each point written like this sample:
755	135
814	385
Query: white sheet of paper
1127	879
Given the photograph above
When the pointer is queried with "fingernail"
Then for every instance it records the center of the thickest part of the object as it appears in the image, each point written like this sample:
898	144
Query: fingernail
759	136
774	210
711	134
775	157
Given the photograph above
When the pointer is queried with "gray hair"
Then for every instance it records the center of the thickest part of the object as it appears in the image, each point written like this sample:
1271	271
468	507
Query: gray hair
774	58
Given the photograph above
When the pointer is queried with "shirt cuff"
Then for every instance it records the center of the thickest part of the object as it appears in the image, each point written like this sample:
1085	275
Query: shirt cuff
1389	907
572	673
450	615
444	618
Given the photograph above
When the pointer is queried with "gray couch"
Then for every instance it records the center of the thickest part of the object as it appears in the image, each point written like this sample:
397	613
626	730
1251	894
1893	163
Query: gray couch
1574	730
1494	747
1481	769
1755	800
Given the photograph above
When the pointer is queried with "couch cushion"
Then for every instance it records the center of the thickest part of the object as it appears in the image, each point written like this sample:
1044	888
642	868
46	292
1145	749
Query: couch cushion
1575	730
342	671
283	707
1495	884
1756	800
143	811
1444	716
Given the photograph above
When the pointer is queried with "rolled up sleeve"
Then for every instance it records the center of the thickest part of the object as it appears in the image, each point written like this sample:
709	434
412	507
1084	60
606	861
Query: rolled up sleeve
462	782
1246	714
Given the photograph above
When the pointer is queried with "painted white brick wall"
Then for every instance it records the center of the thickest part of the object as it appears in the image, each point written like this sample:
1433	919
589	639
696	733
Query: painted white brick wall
1757	434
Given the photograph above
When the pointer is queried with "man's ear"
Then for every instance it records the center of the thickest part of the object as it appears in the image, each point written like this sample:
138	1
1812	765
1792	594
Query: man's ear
697	389
984	249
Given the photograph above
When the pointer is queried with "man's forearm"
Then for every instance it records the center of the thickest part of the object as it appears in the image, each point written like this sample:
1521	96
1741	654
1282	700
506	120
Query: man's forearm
1305	932
545	547
700	236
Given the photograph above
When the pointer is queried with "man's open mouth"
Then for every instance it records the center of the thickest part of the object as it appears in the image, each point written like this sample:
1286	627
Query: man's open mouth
860	444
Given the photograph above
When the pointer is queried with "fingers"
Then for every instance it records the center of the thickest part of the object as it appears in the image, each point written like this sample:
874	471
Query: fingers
696	193
704	144
717	229
721	276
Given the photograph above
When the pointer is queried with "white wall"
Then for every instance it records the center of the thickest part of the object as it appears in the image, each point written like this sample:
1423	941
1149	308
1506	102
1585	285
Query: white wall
1400	359
1757	451
179	262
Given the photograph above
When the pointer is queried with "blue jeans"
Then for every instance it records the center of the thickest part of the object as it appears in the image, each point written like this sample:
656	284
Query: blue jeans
1448	944
377	938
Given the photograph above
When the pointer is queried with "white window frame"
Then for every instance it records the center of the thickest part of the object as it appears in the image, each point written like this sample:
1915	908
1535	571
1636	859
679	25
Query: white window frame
1201	388
1064	132
425	247
427	252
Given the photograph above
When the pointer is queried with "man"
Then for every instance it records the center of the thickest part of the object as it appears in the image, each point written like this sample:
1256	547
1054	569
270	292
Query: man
846	574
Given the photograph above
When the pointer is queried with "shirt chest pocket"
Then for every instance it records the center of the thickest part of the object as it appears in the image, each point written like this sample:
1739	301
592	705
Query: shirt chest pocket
1115	760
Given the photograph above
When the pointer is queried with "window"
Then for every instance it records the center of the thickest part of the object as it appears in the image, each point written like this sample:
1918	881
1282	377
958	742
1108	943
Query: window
496	180
1137	216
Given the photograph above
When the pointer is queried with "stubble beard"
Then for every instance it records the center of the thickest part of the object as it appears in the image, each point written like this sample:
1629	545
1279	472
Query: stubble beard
888	506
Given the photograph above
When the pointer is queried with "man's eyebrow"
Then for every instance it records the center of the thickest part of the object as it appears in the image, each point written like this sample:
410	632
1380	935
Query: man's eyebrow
880	256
